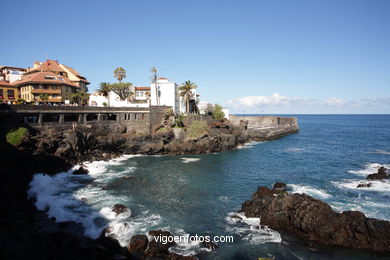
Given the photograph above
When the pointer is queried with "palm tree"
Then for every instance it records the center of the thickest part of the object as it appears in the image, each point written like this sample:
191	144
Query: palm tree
104	90
186	93
120	73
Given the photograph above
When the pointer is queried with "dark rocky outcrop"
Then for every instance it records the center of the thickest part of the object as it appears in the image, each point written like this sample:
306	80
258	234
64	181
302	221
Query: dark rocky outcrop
80	171
315	221
380	175
140	247
280	186
364	185
119	209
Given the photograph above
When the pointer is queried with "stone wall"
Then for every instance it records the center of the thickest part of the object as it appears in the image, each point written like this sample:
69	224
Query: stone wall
67	117
264	121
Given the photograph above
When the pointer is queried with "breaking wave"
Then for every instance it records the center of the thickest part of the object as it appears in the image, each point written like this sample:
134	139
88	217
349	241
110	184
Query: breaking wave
251	230
315	192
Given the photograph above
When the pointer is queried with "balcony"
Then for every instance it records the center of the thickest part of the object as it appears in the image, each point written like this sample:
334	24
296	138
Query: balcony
53	100
46	91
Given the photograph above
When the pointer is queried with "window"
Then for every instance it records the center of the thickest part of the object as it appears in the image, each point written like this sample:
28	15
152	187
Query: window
11	94
1	94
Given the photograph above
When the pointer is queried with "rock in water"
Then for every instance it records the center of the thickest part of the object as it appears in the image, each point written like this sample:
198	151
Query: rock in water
280	186
364	185
315	221
380	175
81	171
138	243
119	208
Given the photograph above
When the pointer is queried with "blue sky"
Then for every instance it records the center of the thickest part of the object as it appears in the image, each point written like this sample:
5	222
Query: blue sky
275	56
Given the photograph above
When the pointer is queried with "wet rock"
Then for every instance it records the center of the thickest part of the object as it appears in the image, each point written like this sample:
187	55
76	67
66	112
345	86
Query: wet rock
313	220
156	248
138	243
119	208
280	186
364	185
380	175
81	171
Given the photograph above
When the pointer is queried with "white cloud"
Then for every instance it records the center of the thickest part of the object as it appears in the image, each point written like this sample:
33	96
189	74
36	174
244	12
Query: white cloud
275	99
277	103
338	102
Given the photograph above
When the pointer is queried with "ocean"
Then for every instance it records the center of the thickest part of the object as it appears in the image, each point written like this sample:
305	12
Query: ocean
196	194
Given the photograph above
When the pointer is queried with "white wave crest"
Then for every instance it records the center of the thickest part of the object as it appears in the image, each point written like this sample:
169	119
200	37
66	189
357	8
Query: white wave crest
188	160
315	192
369	169
251	231
380	186
249	145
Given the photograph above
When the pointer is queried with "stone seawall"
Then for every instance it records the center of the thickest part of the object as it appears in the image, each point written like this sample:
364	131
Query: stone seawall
61	118
264	121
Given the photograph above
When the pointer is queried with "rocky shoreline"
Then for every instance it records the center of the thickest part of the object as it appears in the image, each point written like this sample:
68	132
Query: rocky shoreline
315	221
26	232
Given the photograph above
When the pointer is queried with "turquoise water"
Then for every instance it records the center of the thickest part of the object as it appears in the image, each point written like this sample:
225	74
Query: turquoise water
195	194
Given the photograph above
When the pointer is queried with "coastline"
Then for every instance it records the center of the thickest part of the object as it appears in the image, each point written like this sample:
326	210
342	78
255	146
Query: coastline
56	235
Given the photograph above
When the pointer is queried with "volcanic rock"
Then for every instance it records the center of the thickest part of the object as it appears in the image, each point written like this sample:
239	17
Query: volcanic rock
380	175
315	221
119	208
81	171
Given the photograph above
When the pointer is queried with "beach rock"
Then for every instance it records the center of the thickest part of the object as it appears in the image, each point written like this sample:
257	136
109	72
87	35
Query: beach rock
280	186
81	171
380	175
159	248
119	208
364	185
315	221
138	243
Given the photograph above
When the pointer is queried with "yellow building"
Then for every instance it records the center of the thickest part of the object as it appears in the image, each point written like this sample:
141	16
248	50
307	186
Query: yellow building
8	92
50	82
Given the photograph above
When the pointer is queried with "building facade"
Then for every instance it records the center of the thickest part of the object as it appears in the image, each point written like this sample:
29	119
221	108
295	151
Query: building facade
51	82
9	93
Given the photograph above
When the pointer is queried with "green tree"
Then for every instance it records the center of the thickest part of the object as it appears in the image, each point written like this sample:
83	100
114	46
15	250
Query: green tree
104	90
186	93
120	73
44	97
123	90
80	98
218	114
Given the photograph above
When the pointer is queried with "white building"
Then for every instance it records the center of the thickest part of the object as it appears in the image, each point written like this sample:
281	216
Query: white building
162	93
140	98
165	93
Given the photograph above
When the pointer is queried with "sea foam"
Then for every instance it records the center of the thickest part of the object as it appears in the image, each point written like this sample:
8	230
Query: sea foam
315	192
251	230
369	169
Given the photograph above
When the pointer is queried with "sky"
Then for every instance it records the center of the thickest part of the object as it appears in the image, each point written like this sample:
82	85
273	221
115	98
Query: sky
260	56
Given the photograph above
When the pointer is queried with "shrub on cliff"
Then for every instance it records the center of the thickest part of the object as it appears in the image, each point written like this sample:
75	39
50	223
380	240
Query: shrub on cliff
197	129
15	137
218	114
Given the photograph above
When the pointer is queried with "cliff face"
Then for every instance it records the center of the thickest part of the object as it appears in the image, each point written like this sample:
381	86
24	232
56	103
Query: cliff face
96	144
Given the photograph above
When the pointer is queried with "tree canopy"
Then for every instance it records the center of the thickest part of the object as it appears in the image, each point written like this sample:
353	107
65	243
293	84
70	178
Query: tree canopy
123	90
120	73
186	93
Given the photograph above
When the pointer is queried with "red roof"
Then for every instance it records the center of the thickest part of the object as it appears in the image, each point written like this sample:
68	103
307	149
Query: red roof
163	78
6	84
49	65
142	88
44	77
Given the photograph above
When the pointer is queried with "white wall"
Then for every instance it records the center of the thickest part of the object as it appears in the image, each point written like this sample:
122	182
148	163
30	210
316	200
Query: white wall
168	94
